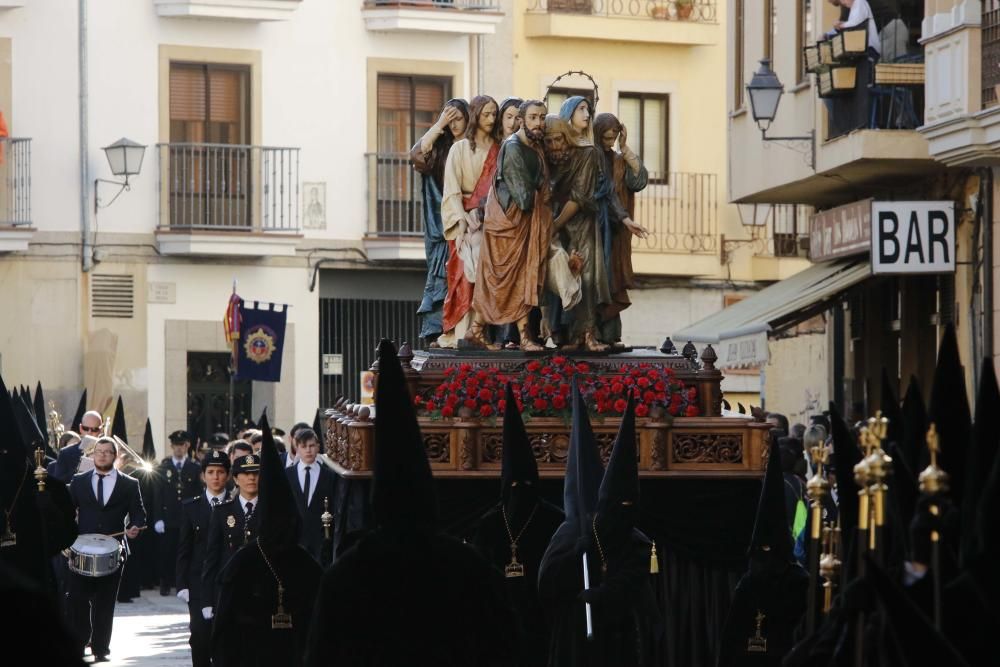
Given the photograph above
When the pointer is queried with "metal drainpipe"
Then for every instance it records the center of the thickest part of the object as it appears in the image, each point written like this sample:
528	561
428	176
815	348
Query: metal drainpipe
986	202
86	250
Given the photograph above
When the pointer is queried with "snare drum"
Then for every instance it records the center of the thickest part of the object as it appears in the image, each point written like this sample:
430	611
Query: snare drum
95	555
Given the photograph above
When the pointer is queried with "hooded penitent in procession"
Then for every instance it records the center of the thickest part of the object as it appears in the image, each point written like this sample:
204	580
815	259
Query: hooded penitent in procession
513	535
610	616
268	588
405	593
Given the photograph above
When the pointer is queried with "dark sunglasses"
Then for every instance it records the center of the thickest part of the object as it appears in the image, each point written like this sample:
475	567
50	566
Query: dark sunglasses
90	429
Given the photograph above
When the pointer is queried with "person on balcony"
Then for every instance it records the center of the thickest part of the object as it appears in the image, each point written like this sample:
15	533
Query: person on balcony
468	174
861	11
428	158
626	175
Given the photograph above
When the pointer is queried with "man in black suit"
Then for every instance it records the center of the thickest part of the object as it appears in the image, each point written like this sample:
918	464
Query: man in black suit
312	483
233	524
195	515
109	503
178	479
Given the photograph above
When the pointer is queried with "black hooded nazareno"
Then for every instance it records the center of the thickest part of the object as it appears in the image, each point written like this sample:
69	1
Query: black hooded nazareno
405	593
242	631
532	520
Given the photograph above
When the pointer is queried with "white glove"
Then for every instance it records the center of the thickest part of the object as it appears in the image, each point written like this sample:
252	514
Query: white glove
184	595
158	527
206	613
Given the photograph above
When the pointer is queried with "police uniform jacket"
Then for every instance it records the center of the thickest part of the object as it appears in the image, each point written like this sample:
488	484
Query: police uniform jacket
172	488
193	545
228	531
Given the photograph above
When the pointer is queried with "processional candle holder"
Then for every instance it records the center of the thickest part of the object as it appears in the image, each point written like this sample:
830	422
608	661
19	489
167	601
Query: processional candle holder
934	482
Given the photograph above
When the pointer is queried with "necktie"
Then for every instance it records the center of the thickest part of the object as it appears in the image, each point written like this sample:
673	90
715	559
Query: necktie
100	489
249	510
178	466
305	487
215	501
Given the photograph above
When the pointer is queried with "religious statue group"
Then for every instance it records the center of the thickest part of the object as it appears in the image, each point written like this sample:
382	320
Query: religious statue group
527	225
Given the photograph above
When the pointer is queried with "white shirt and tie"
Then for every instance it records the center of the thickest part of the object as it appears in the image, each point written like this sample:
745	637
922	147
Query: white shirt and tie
313	471
107	485
244	503
214	500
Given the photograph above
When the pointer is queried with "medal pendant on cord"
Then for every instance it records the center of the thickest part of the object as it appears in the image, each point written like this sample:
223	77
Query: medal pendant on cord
513	568
280	620
9	537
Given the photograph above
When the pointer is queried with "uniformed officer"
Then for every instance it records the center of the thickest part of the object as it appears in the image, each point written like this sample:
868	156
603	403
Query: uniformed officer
195	515
233	524
178	478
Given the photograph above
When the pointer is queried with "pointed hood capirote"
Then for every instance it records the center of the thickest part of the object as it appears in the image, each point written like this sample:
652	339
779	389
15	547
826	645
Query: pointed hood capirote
949	410
317	425
31	435
402	485
41	417
148	446
620	484
519	465
914	444
81	409
584	471
982	452
12	443
772	536
845	456
279	519
118	422
890	408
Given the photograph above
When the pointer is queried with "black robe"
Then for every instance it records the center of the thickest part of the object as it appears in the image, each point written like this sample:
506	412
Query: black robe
626	621
413	598
242	633
493	542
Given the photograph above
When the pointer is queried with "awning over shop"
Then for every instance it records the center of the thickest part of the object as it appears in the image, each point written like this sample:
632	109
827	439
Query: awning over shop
739	332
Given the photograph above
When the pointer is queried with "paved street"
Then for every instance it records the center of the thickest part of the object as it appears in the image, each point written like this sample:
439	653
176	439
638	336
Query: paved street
151	631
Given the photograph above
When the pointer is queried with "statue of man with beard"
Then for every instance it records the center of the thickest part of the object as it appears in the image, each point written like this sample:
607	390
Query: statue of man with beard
516	230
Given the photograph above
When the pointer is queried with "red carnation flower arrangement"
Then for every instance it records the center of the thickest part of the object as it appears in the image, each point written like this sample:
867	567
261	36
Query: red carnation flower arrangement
543	389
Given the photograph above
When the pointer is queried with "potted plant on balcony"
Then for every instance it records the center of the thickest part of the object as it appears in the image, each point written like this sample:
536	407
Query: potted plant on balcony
660	9
684	9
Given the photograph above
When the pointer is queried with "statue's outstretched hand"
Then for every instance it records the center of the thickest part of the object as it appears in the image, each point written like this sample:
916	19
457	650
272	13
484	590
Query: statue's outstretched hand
636	228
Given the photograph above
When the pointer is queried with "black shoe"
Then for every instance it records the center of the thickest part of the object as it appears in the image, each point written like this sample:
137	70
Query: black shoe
102	658
164	591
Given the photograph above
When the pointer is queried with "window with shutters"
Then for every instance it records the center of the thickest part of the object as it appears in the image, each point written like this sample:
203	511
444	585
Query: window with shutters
407	107
646	117
209	153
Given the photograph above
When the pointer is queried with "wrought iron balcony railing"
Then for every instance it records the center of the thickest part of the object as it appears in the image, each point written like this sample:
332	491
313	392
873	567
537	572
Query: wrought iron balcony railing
681	213
15	181
699	11
229	187
396	201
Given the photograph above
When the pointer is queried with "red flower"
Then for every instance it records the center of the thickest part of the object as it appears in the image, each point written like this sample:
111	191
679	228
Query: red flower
583	367
602	406
675	401
643	382
486	410
447	411
617	388
556	378
559	402
549	389
692	411
470	403
482	376
559	360
465	368
451	401
692	393
635	372
620	405
520	405
485	395
430	406
641	410
448	372
644	364
534	391
547	370
540	404
649	397
569	369
454	387
653	374
674	409
628	380
441	390
662	397
502	405
533	366
660	386
418	401
564	389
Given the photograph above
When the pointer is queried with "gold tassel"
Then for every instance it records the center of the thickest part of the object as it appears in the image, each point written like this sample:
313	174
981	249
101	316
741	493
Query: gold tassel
654	562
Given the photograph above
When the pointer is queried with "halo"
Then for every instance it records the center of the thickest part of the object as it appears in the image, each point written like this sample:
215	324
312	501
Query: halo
572	73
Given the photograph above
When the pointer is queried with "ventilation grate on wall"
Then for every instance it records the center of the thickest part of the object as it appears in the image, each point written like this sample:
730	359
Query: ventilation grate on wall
112	296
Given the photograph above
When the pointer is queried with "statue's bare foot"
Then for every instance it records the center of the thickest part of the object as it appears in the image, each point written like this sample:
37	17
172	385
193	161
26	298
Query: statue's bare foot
528	345
617	346
575	263
591	344
476	338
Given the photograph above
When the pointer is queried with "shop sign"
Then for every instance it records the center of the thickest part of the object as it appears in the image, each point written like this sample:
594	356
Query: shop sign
913	237
843	231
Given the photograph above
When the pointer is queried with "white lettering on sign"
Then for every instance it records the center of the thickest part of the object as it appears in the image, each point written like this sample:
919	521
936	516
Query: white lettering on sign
913	237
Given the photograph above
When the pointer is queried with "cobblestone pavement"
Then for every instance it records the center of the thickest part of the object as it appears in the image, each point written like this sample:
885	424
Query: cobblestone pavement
151	631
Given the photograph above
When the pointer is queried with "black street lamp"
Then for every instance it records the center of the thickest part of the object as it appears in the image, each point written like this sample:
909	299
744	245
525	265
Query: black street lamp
765	91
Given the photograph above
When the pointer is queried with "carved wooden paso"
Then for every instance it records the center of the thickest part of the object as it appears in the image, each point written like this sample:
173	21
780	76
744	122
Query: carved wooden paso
704	446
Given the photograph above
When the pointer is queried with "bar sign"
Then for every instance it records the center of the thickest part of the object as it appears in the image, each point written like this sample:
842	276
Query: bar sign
913	237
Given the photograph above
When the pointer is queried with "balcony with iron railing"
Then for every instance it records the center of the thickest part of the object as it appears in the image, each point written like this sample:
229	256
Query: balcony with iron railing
473	17
680	211
693	22
15	194
228	199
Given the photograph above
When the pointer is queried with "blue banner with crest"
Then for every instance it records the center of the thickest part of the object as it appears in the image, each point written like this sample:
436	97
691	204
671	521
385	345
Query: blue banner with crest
262	340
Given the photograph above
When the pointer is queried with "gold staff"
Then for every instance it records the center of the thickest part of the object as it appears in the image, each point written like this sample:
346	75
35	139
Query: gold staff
934	482
41	474
817	488
829	563
879	467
